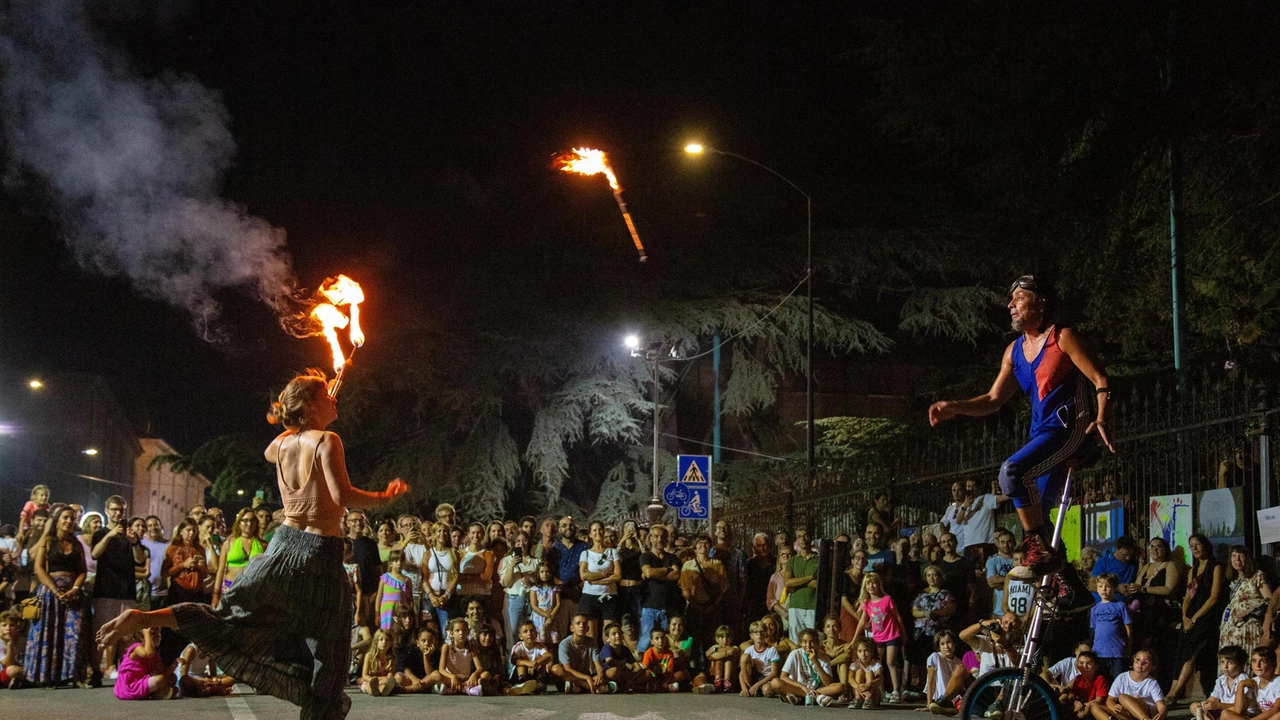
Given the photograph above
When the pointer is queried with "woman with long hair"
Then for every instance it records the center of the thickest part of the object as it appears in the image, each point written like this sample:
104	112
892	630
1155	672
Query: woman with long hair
1248	592
241	546
55	655
284	628
600	572
1201	610
184	565
475	570
516	572
388	540
91	524
631	586
441	578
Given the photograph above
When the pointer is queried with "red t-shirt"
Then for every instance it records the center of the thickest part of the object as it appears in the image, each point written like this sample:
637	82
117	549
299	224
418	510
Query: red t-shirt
1085	690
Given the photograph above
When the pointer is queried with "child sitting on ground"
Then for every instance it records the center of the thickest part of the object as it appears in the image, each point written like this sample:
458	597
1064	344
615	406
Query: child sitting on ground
15	641
196	677
944	673
530	661
619	662
492	664
760	665
418	671
806	676
667	670
459	667
1135	695
579	666
719	673
1230	692
1087	690
141	675
378	676
1061	673
1263	685
866	675
837	651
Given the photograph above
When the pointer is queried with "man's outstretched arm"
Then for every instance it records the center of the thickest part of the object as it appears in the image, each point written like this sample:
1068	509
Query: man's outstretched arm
992	400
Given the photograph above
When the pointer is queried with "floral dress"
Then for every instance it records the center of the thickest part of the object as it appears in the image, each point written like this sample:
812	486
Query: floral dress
1237	627
546	597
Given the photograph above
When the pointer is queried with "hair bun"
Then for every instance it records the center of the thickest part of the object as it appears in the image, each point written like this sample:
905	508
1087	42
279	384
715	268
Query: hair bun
274	414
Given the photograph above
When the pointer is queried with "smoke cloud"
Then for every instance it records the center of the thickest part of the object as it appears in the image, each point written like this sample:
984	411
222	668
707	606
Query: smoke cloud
134	165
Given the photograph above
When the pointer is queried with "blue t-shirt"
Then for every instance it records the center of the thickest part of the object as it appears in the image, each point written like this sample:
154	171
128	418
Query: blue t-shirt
1108	621
1125	571
567	559
998	566
615	657
884	557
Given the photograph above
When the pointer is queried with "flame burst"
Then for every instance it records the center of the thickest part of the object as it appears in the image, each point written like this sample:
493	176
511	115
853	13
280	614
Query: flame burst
586	161
331	321
342	290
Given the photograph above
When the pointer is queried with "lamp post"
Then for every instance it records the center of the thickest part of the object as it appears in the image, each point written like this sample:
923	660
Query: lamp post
632	342
698	149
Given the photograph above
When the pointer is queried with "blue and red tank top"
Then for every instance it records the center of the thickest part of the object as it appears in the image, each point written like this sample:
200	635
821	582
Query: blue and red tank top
1049	381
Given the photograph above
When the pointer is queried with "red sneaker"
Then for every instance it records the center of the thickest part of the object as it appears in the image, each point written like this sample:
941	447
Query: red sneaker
1038	558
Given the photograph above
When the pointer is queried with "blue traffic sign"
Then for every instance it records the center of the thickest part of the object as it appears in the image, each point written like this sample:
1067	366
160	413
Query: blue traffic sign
699	505
677	494
693	470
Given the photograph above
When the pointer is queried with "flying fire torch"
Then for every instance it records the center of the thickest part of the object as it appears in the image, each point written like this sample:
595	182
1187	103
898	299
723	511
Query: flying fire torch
586	161
340	291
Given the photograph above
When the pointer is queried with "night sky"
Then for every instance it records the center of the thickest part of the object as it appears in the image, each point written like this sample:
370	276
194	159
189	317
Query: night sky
409	145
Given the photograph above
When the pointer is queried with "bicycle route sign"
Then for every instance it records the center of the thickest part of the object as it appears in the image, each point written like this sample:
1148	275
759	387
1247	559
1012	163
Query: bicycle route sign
690	494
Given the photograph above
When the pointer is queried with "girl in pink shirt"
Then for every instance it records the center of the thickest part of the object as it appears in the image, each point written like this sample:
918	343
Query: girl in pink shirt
877	613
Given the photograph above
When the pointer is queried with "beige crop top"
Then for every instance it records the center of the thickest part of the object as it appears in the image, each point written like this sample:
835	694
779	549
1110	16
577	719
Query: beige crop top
309	504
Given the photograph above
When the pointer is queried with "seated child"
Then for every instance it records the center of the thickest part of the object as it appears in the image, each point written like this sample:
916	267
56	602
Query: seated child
619	663
15	640
718	675
945	675
759	664
378	676
141	675
459	667
666	670
1232	691
530	661
492	664
806	676
837	651
418	671
1135	695
579	667
866	675
1263	686
1061	673
196	677
682	644
1087	689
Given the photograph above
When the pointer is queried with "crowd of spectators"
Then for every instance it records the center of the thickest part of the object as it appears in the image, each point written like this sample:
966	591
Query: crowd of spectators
528	605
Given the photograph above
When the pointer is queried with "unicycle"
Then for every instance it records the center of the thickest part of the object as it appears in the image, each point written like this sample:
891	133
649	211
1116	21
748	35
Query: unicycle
1019	693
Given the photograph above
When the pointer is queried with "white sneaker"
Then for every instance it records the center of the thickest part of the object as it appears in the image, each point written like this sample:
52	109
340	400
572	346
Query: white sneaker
824	700
894	697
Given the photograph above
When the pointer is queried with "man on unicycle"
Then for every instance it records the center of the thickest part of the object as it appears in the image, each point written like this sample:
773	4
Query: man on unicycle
1048	362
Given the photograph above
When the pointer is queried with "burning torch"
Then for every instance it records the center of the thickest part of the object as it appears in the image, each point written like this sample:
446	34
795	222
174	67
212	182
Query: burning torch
340	291
586	161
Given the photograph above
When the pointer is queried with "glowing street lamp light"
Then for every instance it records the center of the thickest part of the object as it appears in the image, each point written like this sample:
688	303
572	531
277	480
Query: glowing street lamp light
239	492
699	149
90	451
35	384
633	344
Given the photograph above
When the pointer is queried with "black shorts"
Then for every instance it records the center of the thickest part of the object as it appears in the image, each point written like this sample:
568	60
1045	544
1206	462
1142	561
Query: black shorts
599	607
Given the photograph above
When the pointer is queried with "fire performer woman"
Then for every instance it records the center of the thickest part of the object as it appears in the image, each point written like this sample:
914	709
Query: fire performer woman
1047	362
284	627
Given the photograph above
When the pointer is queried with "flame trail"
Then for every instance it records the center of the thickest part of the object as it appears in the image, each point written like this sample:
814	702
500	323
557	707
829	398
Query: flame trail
586	161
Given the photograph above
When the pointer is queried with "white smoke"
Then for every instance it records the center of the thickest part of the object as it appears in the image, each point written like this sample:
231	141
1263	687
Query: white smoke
133	164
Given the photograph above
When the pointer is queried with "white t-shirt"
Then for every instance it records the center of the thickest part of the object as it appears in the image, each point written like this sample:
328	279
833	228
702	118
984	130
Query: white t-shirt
989	658
518	570
797	668
1225	690
874	668
411	565
1064	671
157	549
520	651
1269	695
439	565
761	660
981	525
942	670
600	563
949	523
1148	691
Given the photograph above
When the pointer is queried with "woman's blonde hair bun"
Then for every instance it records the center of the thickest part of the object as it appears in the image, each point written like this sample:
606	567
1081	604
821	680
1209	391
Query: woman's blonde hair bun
290	409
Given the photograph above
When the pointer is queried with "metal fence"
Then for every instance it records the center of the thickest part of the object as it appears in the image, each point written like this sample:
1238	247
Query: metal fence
1215	432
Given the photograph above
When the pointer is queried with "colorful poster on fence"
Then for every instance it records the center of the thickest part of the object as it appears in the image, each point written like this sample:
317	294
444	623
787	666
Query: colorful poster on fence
1070	531
1103	523
1220	517
1169	517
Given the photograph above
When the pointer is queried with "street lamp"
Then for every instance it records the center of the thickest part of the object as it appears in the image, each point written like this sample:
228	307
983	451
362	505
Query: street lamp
35	384
632	342
90	451
699	149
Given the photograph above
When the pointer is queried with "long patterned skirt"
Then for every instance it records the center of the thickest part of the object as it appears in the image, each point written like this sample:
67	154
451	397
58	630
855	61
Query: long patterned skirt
55	653
284	626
